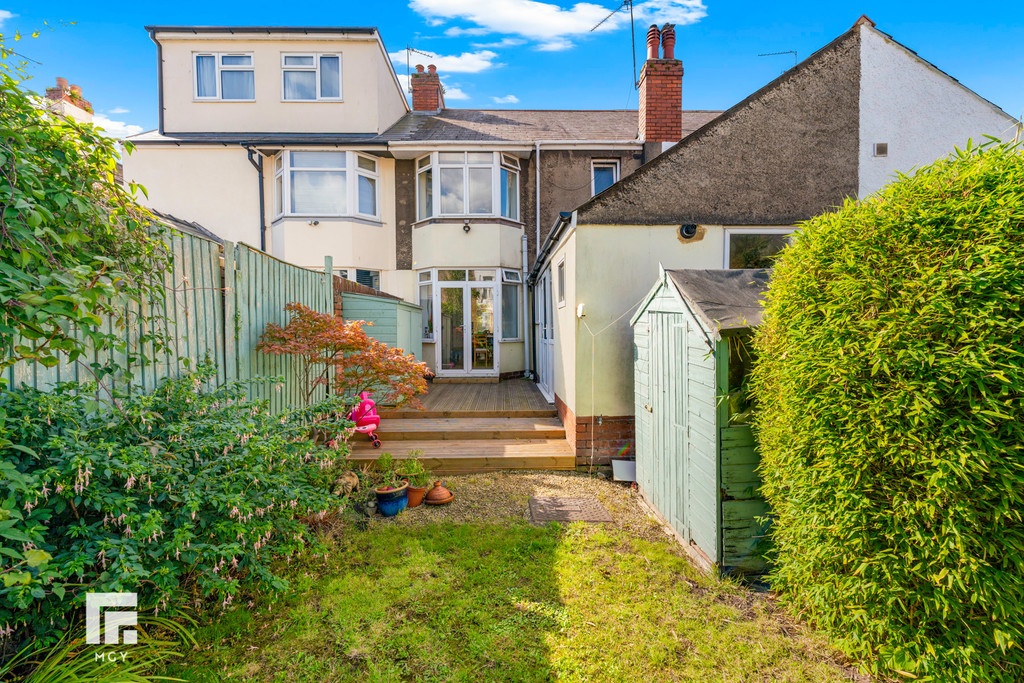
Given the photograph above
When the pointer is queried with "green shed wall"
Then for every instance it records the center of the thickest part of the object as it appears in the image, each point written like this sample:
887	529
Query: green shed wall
394	322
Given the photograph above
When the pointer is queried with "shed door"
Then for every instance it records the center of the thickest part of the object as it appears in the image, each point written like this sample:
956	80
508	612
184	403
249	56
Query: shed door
669	403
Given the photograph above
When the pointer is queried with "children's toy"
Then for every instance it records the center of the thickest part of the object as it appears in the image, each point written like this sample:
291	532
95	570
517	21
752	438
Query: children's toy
366	418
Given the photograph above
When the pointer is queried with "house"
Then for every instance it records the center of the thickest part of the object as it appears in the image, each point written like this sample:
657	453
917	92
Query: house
839	125
696	462
300	141
66	99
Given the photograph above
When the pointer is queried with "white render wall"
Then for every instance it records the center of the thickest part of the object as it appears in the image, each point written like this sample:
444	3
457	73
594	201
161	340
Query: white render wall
919	111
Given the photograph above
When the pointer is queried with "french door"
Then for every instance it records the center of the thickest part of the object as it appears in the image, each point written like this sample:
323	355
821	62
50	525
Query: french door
545	335
466	327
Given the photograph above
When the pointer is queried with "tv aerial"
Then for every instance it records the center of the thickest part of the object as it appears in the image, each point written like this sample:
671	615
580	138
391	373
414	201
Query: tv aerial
632	32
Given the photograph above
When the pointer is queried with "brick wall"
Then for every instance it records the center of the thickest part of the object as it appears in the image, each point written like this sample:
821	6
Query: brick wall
426	89
661	100
608	435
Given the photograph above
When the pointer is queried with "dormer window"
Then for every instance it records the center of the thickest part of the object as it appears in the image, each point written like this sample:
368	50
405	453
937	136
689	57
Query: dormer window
311	77
467	184
226	77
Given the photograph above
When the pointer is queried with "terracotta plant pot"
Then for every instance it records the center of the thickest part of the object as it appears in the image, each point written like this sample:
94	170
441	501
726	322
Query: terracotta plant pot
391	502
416	494
438	495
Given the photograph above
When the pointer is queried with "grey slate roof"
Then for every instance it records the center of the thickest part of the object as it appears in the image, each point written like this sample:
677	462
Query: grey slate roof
527	125
723	299
182	225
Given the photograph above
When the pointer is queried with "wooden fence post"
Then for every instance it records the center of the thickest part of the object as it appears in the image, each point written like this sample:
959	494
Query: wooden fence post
230	324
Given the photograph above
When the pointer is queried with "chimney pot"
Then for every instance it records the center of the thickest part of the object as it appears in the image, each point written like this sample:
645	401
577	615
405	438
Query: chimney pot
653	38
419	68
432	69
62	83
427	95
668	41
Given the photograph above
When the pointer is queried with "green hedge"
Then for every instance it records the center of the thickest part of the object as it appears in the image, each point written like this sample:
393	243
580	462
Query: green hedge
891	425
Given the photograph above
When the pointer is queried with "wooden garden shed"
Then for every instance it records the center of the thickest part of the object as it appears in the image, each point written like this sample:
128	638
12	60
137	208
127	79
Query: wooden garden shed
395	322
695	453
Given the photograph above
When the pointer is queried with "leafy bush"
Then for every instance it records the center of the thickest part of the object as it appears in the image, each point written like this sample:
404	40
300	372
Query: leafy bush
338	352
891	422
180	495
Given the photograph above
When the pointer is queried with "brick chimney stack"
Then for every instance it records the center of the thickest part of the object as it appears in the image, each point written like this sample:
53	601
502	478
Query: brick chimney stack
661	88
72	94
427	93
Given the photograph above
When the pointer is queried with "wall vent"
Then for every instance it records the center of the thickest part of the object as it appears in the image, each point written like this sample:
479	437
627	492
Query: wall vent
881	149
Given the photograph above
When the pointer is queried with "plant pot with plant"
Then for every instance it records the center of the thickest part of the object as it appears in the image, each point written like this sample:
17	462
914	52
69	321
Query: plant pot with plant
392	492
418	477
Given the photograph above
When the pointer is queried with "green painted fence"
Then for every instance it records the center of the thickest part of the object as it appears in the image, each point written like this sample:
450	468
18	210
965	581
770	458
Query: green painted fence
217	301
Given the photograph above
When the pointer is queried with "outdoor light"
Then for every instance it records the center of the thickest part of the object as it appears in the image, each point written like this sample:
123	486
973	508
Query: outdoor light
466	227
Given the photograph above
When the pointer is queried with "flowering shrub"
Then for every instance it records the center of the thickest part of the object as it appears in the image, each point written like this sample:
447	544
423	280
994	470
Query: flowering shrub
180	495
330	346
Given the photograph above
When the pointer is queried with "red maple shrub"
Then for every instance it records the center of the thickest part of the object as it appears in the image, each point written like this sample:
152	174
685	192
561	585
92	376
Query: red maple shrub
339	354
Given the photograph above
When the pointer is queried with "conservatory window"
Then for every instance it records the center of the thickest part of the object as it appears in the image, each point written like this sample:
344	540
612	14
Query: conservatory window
427	303
511	292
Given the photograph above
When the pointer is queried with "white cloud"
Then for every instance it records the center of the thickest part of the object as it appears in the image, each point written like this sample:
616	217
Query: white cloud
5	15
507	99
455	32
552	25
118	110
453	92
115	129
504	42
467	62
403	80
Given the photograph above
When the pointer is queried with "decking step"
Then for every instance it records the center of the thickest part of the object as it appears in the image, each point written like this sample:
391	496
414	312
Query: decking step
476	455
460	428
412	414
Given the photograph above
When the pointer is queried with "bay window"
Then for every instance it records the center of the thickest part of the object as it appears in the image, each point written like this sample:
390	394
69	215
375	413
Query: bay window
467	184
224	77
326	183
311	77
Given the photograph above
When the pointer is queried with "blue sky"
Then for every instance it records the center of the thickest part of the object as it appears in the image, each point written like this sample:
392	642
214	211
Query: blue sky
529	53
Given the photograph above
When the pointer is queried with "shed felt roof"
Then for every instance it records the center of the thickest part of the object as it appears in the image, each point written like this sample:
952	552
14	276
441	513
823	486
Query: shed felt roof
190	227
527	125
723	299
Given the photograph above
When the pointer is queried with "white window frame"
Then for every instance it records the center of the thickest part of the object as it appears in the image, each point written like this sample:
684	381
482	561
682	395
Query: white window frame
282	184
345	271
315	68
560	282
498	161
614	164
511	277
429	283
729	232
218	68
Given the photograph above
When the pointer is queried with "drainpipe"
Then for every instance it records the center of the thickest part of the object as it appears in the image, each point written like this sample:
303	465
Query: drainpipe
263	208
527	330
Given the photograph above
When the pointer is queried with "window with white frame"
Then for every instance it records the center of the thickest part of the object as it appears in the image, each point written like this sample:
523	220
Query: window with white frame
467	184
326	183
224	76
369	278
511	295
426	282
311	77
755	247
561	282
603	174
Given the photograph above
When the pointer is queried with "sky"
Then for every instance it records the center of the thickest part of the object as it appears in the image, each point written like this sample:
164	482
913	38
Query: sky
532	54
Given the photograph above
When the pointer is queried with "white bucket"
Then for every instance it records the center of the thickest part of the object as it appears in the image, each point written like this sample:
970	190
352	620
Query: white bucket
623	469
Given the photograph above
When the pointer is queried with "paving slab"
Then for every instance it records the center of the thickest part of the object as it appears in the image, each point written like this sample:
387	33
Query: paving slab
562	509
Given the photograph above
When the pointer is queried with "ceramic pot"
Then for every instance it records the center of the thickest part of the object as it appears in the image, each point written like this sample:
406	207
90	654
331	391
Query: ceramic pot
416	494
438	495
390	503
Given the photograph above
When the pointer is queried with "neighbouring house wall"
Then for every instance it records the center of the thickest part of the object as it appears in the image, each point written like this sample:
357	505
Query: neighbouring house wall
920	112
785	154
370	104
216	187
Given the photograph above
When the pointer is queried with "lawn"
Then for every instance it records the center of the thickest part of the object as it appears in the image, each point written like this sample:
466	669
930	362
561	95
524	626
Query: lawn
476	593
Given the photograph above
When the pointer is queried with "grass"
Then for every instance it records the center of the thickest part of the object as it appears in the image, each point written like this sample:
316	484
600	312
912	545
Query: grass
509	602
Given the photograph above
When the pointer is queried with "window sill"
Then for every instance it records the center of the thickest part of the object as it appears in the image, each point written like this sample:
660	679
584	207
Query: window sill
316	101
294	218
473	220
221	101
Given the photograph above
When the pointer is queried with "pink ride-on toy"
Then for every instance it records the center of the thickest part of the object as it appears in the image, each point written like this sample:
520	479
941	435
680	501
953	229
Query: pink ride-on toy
366	418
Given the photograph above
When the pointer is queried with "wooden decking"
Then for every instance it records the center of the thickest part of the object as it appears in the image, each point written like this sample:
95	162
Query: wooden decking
475	427
511	398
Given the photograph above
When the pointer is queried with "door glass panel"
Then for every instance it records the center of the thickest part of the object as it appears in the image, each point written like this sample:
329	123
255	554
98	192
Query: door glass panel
452	321
482	299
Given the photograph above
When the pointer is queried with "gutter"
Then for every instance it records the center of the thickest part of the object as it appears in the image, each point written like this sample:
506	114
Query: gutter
263	206
159	80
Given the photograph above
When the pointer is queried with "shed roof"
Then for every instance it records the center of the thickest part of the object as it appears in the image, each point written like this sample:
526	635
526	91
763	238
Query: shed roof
183	225
723	299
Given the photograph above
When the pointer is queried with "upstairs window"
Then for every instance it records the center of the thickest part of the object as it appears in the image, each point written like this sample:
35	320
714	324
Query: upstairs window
310	77
326	183
225	77
467	184
604	174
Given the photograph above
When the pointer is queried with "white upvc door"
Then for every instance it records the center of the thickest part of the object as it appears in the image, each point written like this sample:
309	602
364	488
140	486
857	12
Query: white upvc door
544	335
465	322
